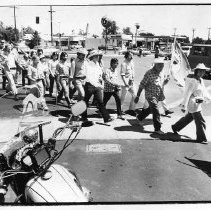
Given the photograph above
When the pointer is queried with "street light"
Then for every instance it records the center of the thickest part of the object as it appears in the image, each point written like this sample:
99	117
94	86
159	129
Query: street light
137	27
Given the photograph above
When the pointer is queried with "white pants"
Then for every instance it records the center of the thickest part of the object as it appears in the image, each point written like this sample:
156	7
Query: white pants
132	91
11	75
41	88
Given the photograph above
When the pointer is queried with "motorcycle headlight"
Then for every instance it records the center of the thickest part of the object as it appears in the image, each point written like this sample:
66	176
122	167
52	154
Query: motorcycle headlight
27	160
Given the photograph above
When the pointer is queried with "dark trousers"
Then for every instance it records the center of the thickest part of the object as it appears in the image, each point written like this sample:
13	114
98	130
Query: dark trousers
152	109
199	121
72	91
115	94
52	79
24	76
4	81
98	94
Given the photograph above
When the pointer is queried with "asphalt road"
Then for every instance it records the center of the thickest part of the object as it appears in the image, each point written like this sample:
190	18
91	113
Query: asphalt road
141	170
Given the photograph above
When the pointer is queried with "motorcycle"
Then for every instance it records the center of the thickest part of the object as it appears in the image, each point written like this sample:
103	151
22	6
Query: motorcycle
32	173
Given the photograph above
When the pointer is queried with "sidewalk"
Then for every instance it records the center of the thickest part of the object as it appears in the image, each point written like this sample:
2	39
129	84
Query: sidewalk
118	129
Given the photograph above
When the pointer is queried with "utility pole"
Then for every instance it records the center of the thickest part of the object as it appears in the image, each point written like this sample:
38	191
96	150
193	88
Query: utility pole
137	25
175	29
208	33
193	34
51	16
15	23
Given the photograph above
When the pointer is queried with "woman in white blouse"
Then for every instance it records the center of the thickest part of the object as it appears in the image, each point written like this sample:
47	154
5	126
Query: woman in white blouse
195	95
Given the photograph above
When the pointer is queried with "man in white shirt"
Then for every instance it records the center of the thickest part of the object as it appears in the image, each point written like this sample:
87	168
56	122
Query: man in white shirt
195	94
79	68
94	86
127	74
9	62
36	76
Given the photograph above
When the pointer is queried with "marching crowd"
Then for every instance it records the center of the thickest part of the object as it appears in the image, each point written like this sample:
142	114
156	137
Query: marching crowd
87	75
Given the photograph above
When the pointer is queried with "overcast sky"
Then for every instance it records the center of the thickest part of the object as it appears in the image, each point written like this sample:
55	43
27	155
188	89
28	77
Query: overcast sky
157	19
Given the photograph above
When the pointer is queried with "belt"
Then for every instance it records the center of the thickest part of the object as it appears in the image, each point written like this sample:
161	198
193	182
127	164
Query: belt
84	77
13	68
63	76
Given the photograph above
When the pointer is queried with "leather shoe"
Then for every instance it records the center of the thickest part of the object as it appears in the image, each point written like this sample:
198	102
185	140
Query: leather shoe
109	120
202	142
175	132
167	112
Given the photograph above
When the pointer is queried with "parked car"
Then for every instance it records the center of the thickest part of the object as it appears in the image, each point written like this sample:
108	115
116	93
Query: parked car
76	46
166	53
145	51
186	50
47	50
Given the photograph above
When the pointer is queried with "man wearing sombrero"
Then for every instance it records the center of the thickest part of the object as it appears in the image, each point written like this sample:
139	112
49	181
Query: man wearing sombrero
152	83
94	86
195	95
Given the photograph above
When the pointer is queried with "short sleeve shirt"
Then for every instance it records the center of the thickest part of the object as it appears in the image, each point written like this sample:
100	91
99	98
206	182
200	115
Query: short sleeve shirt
36	73
153	85
127	69
63	69
112	77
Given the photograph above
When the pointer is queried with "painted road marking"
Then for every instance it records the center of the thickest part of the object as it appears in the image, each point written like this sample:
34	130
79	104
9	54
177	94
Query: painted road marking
104	148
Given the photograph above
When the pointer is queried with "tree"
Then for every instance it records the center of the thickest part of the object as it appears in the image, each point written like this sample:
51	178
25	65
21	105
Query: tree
127	31
208	42
198	40
12	35
111	30
146	34
35	40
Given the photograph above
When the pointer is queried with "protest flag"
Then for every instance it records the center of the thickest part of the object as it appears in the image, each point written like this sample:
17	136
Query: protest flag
180	67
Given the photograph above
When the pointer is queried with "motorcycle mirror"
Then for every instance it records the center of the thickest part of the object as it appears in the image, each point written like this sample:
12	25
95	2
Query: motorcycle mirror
78	108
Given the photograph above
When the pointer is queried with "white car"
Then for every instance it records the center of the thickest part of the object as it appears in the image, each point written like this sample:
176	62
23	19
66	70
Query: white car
186	50
49	50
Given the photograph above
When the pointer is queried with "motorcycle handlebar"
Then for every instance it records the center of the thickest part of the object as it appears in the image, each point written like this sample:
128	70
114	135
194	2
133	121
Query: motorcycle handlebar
37	125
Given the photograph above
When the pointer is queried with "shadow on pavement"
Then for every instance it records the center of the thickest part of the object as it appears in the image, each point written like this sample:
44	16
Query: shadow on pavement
132	128
63	113
135	122
205	166
169	136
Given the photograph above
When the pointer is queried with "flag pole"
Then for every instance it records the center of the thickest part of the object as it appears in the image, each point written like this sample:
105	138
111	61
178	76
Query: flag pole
172	54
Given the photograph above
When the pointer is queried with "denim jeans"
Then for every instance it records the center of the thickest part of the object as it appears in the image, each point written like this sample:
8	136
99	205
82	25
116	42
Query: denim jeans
199	121
98	94
115	94
154	110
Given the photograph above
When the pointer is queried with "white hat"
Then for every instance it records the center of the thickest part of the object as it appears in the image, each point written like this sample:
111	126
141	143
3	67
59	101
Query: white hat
101	52
83	51
159	60
42	56
201	66
93	53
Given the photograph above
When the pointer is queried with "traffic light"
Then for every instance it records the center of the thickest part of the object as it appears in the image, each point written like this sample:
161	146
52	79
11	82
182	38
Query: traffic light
37	20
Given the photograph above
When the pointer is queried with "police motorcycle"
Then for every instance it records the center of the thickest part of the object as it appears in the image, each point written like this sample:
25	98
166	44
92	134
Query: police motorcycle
31	170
